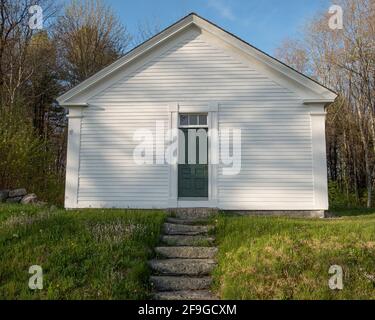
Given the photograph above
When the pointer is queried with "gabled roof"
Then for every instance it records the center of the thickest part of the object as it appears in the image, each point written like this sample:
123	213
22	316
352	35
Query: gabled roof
322	94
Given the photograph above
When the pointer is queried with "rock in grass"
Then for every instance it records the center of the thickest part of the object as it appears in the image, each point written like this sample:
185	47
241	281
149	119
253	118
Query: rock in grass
4	194
14	200
17	193
30	198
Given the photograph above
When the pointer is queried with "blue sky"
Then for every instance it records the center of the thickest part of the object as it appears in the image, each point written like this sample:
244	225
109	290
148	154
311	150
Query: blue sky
263	23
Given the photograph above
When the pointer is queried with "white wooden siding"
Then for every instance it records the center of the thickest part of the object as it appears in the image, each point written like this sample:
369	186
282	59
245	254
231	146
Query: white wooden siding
276	132
108	175
194	70
276	169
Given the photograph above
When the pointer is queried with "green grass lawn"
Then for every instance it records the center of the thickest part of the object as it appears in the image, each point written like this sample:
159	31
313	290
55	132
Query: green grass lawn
102	254
85	254
286	258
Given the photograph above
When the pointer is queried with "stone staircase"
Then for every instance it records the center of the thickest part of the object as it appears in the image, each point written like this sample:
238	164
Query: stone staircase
185	258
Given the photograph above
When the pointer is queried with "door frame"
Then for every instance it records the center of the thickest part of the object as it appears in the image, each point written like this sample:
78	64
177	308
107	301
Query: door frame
204	166
211	109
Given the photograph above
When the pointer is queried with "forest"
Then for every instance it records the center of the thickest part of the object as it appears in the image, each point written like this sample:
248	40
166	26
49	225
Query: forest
343	60
82	37
36	66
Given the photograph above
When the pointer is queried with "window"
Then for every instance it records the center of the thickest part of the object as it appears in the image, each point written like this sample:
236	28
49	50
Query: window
203	119
193	120
184	120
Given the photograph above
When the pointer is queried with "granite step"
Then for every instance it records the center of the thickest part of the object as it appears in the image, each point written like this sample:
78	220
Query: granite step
192	222
187	252
185	260
180	229
190	267
170	283
185	295
193	213
183	240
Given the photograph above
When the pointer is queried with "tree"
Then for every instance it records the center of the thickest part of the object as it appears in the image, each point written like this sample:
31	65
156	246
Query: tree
15	38
89	37
345	61
35	67
43	85
293	54
146	30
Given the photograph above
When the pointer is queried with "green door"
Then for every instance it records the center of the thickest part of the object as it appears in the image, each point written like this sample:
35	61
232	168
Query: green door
192	178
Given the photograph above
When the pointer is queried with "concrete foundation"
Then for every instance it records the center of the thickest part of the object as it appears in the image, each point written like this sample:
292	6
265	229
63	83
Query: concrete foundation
207	212
281	213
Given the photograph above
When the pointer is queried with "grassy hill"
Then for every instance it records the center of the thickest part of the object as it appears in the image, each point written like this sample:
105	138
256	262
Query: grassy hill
85	254
102	254
286	258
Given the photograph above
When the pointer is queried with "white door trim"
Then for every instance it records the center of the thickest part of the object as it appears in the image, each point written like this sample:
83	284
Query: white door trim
212	111
213	147
173	167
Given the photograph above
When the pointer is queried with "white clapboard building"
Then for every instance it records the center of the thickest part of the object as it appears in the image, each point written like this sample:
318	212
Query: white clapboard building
196	76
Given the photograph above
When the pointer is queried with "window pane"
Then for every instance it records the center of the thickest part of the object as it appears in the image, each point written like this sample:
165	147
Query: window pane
183	120
203	120
193	120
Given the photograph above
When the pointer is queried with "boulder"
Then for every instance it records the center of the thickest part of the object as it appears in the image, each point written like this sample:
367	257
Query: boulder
30	198
14	200
17	193
4	194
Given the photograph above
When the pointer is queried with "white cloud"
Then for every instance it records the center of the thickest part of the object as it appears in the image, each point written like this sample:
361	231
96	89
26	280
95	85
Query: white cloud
222	8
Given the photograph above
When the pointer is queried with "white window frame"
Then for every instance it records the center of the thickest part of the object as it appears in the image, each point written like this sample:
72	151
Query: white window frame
193	125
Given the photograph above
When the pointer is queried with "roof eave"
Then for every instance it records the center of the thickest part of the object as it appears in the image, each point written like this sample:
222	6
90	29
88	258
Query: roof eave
324	102
74	104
